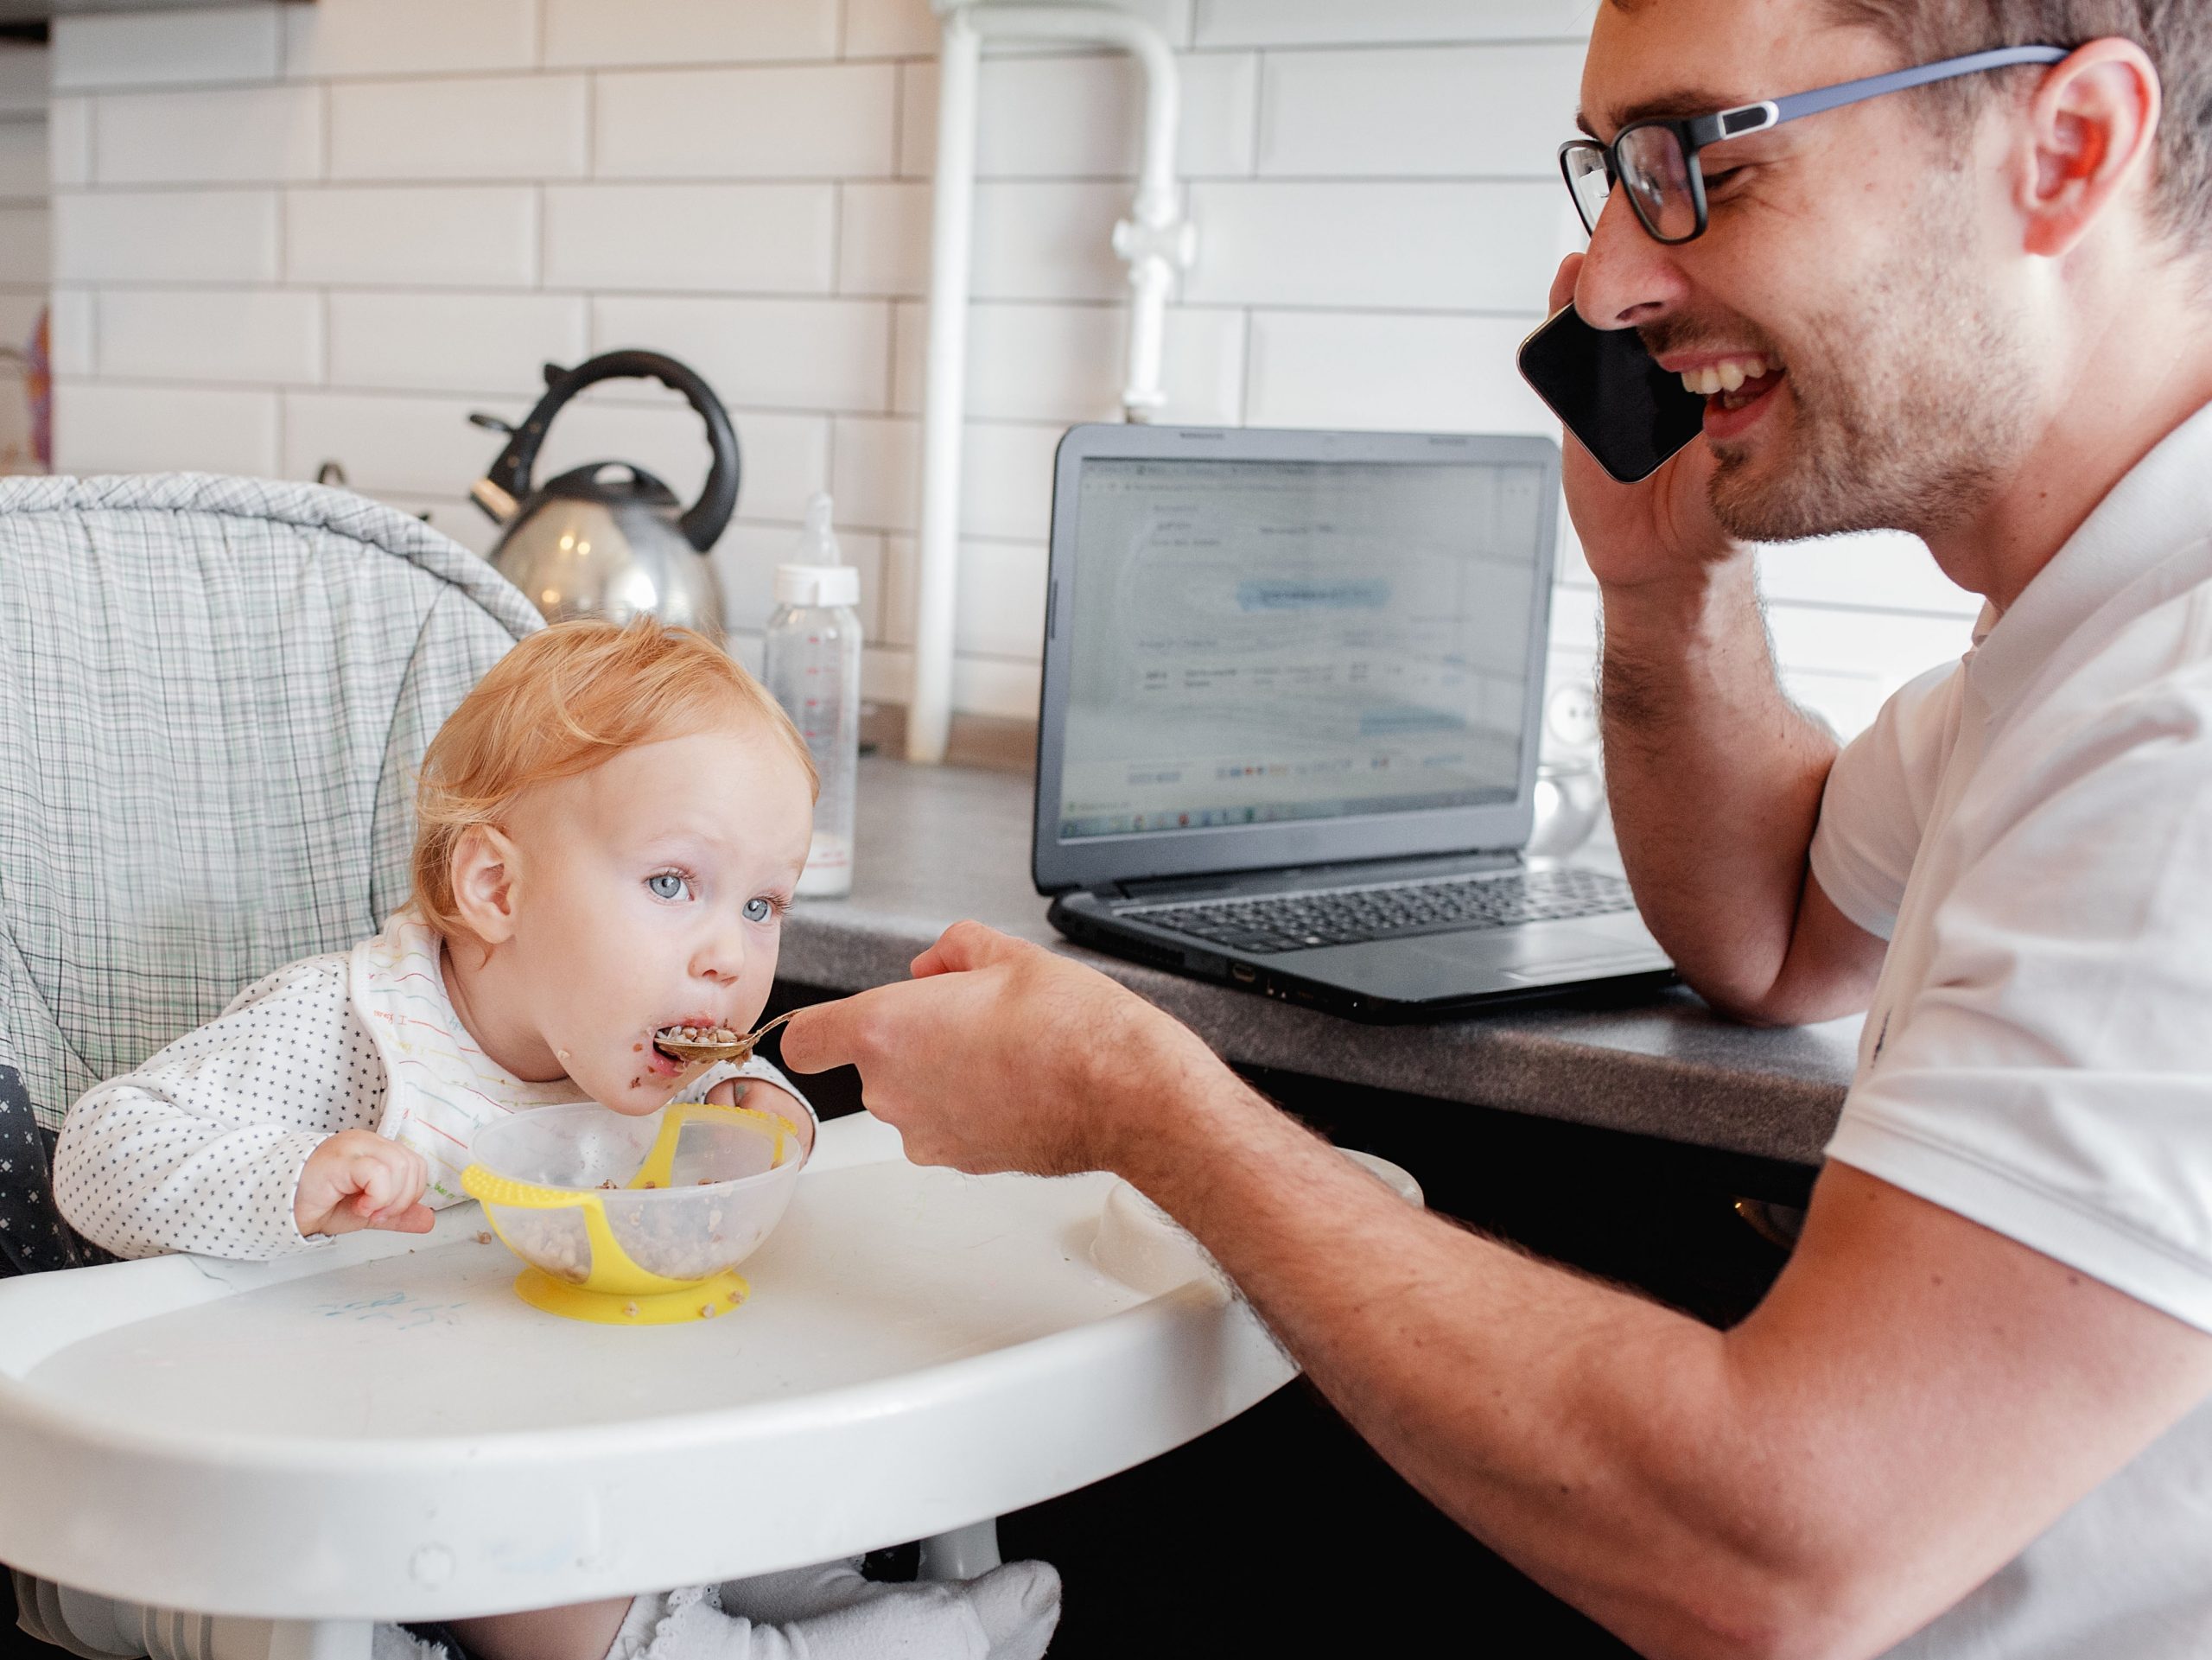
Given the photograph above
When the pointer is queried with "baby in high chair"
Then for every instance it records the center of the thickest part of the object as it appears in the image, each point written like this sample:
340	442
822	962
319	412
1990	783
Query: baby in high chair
609	829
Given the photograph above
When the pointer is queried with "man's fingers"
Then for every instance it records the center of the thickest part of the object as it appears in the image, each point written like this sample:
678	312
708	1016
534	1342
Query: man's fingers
819	1037
963	946
1570	268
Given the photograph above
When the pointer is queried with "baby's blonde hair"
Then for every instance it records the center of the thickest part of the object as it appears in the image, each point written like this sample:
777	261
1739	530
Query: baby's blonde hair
563	700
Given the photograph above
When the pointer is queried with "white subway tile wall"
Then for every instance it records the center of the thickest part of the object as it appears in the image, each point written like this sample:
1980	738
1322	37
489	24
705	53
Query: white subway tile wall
285	236
27	157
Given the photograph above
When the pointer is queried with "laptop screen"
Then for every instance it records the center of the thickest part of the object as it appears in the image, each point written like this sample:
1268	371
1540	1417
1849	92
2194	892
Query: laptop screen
1266	641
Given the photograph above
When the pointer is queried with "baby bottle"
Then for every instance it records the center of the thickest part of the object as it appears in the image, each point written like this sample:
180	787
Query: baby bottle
813	665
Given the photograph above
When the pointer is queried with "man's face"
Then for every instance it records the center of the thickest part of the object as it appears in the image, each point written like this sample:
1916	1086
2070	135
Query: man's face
1849	253
649	892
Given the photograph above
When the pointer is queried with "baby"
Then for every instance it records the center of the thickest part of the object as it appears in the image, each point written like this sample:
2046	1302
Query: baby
609	829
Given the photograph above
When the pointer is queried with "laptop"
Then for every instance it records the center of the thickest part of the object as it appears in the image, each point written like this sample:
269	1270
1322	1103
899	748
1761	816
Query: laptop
1288	731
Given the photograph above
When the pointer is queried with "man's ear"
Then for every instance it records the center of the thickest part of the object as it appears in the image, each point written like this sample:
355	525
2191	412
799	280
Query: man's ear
483	870
2092	129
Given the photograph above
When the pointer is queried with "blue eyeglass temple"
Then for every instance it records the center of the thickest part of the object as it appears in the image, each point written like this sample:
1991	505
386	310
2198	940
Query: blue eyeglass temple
1772	113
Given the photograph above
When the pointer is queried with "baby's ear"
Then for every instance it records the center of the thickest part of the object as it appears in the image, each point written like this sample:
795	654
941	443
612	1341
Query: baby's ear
483	883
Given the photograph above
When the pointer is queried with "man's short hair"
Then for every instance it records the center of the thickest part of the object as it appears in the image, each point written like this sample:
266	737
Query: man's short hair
2176	33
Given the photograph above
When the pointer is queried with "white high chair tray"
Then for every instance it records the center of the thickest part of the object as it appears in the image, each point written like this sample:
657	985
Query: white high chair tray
382	1430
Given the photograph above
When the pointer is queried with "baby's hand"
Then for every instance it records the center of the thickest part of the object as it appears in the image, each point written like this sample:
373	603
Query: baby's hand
766	1097
359	1179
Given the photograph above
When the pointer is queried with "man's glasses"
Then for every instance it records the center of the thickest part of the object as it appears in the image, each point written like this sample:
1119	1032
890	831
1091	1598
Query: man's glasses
1658	160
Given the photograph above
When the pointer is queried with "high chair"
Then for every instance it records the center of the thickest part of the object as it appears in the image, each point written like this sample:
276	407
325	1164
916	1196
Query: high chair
215	692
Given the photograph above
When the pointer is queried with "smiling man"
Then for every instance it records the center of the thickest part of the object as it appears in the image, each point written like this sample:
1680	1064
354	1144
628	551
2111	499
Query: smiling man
1974	1414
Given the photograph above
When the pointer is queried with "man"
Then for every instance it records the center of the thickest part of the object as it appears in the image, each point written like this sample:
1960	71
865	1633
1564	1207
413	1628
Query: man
1974	1414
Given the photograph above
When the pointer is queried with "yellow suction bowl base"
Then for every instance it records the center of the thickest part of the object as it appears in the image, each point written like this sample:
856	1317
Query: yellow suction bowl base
705	1301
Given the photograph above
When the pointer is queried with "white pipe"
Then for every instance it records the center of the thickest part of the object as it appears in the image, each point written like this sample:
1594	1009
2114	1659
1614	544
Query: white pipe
1156	241
936	579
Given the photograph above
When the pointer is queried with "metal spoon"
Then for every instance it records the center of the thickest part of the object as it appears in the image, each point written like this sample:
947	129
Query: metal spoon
691	1051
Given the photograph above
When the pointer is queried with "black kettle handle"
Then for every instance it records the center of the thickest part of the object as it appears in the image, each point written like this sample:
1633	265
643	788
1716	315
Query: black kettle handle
706	517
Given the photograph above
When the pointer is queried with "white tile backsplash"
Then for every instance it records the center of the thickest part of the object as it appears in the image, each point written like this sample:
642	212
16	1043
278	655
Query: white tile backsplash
809	121
785	457
1048	241
115	426
602	34
431	235
883	244
26	79
878	475
1034	240
1331	22
199	46
334	38
1045	118
999	607
745	239
1380	245
69	140
985	686
246	135
165	236
259	336
1422	374
890	29
804	354
475	127
1061	363
1487	111
69	329
25	167
288	234
422	446
490	344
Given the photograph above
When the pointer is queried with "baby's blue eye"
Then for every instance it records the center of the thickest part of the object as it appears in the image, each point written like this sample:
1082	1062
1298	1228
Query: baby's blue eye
759	910
667	884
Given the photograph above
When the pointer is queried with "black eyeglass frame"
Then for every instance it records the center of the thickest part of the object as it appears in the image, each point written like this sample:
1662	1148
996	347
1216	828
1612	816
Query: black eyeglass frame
1694	134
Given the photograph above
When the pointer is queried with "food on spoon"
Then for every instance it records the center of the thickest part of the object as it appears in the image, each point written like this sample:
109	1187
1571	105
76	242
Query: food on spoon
681	1044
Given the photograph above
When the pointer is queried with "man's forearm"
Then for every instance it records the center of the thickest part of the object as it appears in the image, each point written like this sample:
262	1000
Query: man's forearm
1820	1480
1544	1412
1714	778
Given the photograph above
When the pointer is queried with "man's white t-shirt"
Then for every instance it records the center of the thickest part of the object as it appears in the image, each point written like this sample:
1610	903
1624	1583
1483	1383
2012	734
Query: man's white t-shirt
2031	829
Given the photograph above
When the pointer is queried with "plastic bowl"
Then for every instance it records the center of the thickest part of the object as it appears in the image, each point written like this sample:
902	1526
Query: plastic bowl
711	1183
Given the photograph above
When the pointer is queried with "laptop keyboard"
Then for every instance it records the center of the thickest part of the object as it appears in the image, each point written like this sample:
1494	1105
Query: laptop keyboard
1295	922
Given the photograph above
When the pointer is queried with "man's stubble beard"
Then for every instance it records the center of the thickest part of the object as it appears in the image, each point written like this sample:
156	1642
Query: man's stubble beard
1911	410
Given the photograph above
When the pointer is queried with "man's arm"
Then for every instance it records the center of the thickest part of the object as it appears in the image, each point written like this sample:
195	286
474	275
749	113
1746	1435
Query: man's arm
1914	1401
1713	775
1715	780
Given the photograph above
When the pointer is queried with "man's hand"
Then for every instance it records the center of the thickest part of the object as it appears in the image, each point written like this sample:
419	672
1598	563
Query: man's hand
999	1055
1633	534
357	1179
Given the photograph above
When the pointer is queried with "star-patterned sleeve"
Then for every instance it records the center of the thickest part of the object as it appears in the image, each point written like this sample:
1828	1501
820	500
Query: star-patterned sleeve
200	1147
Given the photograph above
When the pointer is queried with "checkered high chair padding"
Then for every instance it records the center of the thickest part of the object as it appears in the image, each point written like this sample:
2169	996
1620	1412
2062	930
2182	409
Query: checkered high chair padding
213	695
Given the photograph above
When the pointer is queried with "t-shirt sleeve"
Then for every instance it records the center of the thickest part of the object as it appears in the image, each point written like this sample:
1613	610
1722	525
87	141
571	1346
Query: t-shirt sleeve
200	1147
2051	1080
1878	799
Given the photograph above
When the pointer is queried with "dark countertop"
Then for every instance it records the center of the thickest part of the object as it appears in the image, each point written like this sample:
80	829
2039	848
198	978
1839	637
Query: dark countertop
937	844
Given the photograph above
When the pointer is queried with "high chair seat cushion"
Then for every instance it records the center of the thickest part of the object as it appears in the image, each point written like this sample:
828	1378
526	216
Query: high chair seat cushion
213	695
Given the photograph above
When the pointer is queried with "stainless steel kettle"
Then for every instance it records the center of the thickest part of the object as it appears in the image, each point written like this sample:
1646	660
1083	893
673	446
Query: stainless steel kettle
589	545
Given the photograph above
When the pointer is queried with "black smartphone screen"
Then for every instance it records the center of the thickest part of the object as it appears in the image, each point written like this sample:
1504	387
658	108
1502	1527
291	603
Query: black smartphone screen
1628	411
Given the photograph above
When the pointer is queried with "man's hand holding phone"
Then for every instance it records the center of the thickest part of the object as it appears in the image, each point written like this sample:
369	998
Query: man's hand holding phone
1658	528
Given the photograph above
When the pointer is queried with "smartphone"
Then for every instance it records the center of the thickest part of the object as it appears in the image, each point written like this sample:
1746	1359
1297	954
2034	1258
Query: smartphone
1628	411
